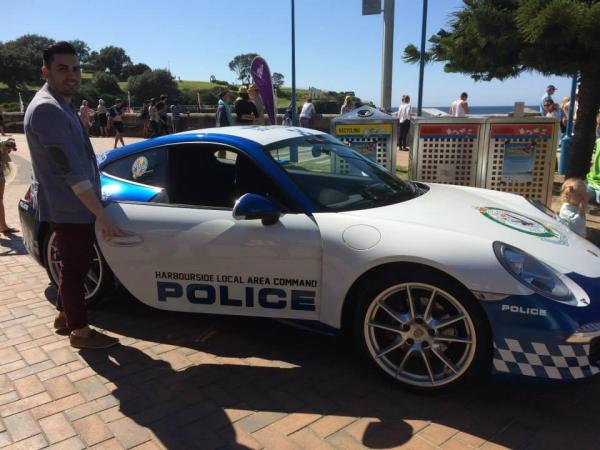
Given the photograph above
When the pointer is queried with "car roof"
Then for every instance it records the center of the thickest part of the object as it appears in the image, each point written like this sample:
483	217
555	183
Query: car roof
261	135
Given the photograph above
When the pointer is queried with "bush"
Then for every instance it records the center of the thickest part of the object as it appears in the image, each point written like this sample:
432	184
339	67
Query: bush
106	83
152	84
327	107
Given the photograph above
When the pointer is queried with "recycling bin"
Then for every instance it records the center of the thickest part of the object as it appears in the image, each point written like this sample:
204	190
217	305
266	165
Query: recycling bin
372	133
446	150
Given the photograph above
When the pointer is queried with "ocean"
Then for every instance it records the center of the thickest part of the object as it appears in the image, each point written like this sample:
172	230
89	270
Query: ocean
480	109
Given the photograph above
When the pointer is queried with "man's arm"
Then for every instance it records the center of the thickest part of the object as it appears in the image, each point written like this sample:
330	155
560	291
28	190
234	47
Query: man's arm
90	200
466	107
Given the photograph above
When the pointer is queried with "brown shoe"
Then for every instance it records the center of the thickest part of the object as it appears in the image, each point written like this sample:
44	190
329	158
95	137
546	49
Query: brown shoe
60	323
94	339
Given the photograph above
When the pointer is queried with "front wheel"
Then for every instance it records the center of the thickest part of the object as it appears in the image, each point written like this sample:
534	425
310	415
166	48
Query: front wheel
98	280
423	330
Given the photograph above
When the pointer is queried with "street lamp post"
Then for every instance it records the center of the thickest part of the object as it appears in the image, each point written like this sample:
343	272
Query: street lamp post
294	122
388	55
422	59
566	143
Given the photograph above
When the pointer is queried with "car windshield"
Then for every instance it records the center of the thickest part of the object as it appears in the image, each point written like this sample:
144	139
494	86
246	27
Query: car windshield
336	177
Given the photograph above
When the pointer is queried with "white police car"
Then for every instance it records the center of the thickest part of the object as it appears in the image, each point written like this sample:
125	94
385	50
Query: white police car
439	284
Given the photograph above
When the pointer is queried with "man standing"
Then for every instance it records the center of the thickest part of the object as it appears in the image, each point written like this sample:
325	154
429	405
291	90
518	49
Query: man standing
175	117
116	119
257	100
550	89
223	116
307	113
66	188
460	107
162	108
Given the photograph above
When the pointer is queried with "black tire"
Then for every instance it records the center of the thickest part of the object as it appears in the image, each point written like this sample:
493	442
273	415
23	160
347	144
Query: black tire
412	351
95	291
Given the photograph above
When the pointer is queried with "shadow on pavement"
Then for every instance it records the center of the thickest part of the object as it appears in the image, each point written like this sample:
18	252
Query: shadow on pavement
11	244
232	367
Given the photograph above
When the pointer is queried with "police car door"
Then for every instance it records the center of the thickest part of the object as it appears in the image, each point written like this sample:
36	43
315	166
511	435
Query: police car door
201	259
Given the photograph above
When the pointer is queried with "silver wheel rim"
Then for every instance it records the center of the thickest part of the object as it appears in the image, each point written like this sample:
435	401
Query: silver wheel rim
93	278
420	334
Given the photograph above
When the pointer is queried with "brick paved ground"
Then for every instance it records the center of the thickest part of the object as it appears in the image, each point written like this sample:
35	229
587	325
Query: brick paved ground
199	381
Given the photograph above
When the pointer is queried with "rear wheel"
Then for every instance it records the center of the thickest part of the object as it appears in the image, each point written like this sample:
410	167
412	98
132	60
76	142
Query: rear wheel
98	280
423	330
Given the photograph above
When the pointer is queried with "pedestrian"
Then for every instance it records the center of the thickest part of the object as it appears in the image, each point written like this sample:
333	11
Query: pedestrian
258	103
6	147
154	119
347	106
145	117
2	120
564	113
550	89
307	113
574	197
101	112
85	115
162	108
245	110
223	115
175	116
551	109
287	117
66	188
404	112
116	119
460	107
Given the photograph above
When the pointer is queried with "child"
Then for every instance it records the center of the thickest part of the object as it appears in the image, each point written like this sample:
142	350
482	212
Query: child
6	147
573	194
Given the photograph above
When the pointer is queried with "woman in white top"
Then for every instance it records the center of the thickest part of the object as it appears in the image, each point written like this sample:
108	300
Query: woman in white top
404	112
307	113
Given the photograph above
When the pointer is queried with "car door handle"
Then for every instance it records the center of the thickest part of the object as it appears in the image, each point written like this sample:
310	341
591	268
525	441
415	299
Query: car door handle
129	240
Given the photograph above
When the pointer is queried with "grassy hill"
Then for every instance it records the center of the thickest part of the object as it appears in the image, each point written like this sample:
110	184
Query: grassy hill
10	100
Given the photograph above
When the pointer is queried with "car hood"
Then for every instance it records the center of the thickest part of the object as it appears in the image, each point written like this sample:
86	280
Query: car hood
491	215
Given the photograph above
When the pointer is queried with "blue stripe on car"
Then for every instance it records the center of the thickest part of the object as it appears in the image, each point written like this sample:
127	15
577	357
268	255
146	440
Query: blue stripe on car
251	148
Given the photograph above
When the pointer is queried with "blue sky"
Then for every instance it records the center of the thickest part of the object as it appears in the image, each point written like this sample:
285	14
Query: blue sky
336	47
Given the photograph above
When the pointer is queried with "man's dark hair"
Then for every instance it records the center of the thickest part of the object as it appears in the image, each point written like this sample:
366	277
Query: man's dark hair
58	48
163	97
464	94
223	94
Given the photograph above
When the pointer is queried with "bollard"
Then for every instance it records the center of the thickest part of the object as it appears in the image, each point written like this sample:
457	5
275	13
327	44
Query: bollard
566	148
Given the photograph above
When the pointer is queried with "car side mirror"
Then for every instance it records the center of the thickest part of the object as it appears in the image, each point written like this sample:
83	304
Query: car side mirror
253	206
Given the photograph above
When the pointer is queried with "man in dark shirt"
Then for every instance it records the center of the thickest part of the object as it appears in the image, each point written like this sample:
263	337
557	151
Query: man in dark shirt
162	114
66	188
116	119
245	110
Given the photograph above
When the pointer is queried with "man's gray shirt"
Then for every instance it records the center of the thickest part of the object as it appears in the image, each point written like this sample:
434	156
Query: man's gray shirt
62	159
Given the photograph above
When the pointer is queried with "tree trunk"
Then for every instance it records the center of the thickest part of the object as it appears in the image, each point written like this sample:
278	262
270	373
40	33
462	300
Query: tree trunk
585	127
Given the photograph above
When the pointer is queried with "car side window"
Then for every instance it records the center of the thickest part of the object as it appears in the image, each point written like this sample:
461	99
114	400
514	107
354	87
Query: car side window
215	176
148	167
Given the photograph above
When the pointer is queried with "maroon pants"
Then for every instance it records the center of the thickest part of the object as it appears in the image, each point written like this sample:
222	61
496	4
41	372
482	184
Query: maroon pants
75	242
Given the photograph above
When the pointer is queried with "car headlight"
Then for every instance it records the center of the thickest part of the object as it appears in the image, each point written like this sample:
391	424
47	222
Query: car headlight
533	273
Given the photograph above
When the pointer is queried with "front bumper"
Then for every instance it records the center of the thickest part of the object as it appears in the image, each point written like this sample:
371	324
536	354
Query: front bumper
542	338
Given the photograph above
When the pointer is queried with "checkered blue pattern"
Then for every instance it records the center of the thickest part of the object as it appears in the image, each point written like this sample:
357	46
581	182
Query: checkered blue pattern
535	359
